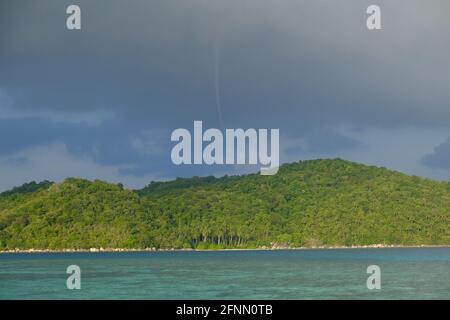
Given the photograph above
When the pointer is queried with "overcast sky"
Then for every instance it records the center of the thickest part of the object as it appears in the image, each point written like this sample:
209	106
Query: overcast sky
102	102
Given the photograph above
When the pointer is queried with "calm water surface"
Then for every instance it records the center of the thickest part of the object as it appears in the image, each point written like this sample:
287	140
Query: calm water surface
292	274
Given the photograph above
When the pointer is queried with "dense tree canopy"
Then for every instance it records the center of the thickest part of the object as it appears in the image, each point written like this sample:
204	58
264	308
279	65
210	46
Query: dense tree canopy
308	203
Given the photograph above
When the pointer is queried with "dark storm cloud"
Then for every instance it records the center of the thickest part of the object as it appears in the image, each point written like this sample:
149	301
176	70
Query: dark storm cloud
302	60
138	70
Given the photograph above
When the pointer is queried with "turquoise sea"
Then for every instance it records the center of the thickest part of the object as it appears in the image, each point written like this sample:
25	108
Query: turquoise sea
407	273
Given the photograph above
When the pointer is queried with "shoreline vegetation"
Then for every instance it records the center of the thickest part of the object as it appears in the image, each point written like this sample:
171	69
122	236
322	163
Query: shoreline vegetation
112	250
327	203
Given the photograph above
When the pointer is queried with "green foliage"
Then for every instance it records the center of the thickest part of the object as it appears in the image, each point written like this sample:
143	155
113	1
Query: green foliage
27	188
308	203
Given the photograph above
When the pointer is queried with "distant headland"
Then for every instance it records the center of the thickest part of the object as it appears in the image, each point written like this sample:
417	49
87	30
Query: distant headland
325	203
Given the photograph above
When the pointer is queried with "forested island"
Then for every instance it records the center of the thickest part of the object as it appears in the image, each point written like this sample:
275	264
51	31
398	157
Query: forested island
313	203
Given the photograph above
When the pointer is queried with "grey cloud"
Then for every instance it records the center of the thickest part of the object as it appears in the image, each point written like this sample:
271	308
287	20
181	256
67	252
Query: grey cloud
309	60
54	162
319	142
440	157
305	67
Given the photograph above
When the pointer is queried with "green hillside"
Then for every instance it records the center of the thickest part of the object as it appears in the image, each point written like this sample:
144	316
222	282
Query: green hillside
308	203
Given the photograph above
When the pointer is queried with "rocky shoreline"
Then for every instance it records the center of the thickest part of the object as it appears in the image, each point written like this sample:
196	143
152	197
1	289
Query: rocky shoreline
97	250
